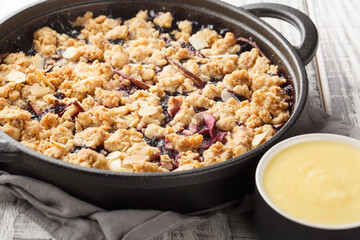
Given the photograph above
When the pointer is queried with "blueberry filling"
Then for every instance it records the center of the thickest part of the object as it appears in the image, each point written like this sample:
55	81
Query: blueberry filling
252	43
188	46
209	127
217	99
31	108
164	105
289	89
117	41
58	108
192	49
25	44
175	106
216	80
128	89
206	143
244	47
77	149
60	95
154	142
61	25
163	29
199	109
167	40
164	146
99	149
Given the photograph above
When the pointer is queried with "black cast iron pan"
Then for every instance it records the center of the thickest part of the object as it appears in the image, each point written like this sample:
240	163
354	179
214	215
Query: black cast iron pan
186	191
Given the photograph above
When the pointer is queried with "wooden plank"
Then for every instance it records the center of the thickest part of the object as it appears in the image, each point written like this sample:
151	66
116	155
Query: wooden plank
339	55
8	213
7	7
24	228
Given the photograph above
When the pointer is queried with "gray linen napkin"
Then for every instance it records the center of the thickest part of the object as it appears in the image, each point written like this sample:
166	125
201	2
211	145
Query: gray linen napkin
66	217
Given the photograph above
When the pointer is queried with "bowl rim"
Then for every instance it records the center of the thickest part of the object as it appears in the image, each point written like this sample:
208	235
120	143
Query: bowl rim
267	157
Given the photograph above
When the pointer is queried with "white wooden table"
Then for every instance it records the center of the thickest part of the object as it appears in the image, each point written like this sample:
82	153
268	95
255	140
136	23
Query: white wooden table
334	84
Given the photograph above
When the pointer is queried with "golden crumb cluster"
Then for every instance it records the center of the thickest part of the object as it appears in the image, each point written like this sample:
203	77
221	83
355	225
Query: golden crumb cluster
148	94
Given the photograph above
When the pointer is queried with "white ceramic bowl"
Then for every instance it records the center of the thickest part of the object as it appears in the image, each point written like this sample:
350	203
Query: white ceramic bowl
274	223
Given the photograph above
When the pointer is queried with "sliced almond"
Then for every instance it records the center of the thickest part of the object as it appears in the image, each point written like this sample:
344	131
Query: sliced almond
38	91
143	104
226	96
132	107
71	111
135	159
187	166
111	23
70	52
115	164
60	145
16	76
134	123
61	62
148	111
84	81
149	120
114	155
38	61
225	55
43	78
259	139
198	42
78	106
48	68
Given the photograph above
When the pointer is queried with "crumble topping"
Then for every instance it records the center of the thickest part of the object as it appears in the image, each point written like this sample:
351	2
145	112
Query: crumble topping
147	94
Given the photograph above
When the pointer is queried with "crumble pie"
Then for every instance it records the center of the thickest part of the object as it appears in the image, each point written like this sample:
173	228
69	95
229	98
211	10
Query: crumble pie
147	94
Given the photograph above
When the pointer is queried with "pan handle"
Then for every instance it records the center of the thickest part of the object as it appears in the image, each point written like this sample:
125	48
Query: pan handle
8	152
309	35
